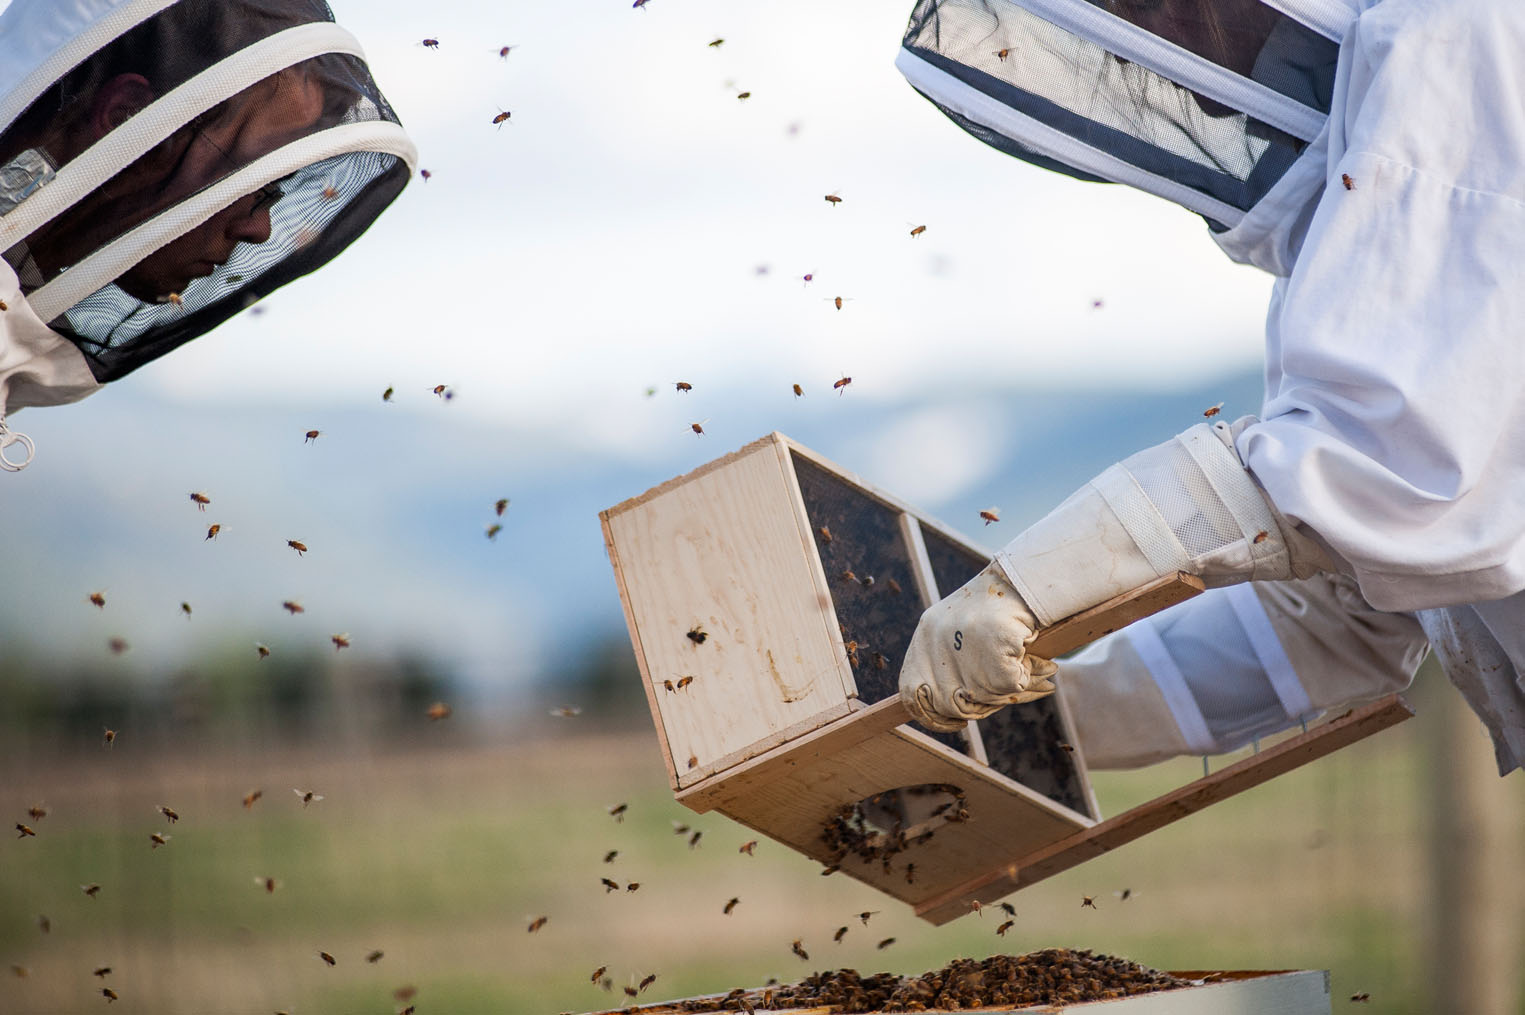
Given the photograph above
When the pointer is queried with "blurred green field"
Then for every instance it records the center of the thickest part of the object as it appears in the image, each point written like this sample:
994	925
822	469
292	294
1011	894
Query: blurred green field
440	851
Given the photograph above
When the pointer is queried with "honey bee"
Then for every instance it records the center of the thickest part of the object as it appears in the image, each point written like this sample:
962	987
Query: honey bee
24	830
748	846
405	993
386	396
866	914
4	306
501	506
833	200
117	645
597	973
91	889
990	515
1002	54
918	231
173	299
340	641
640	3
798	391
108	737
852	653
157	839
631	991
716	44
1066	747
829	870
885	943
731	905
1363	997
1003	928
633	886
109	994
501	118
693	761
1213	411
308	796
848	576
1347	181
102	972
267	883
439	389
825	534
648	980
252	797
977	906
668	685
808	278
679	828
693	840
838	300
328	959
98	599
1124	895
430	44
503	51
201	501
799	950
212	531
437	711
682	386
37	812
1087	900
609	885
743	96
617	812
375	956
698	428
169	813
1008	909
566	711
609	856
696	635
297	545
313	435
840	385
684	682
1261	536
537	923
185	608
840	934
493	530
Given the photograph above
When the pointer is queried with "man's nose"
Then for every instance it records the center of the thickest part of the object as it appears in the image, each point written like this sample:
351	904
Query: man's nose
249	228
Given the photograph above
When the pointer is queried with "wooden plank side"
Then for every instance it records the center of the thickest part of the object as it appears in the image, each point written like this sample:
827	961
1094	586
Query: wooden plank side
1116	613
1020	871
763	746
721	552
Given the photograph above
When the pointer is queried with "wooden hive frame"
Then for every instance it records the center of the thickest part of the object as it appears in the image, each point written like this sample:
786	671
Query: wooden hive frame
770	596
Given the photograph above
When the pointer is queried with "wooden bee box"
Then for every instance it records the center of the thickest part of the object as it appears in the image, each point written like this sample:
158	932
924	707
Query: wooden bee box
770	597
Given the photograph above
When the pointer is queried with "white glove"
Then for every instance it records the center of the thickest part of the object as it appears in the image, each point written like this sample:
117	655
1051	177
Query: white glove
968	656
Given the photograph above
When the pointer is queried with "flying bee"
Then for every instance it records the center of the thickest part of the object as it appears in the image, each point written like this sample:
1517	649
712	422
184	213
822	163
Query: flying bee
679	828
598	973
328	959
212	531
201	501
537	923
693	840
609	856
1087	900
37	812
633	886
716	44
833	200
840	934
1003	928
1363	997
108	737
297	545
617	812
1066	747
98	599
157	839
566	711
991	515
503	51
1210	413
117	645
386	396
252	797
375	956
918	231
696	635
747	847
885	943
308	796
977	906
501	118
631	991
24	830
1261	536
430	44
684	682
731	905
798	391
185	608
501	506
848	576
440	389
172	298
437	711
866	914
682	386
841	384
1002	54
313	435
640	3
609	885
109	994
808	278
339	640
267	883
669	685
799	950
698	428
102	972
1124	895
493	530
1347	181
893	585
91	889
169	813
648	980
743	96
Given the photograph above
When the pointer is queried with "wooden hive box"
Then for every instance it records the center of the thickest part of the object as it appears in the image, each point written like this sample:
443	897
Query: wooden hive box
770	597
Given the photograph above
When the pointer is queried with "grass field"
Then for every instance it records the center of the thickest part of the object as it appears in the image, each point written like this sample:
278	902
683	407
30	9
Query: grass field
440	852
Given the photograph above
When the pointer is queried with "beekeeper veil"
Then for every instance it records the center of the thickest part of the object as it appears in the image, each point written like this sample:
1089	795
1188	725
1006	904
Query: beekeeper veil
1208	103
166	163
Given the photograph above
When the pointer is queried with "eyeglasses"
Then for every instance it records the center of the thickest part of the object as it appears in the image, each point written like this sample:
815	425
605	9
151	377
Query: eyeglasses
266	196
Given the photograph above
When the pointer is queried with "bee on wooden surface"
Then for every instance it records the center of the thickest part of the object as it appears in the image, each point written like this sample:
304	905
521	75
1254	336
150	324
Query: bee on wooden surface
386	396
501	506
437	711
252	797
617	812
37	812
313	435
918	231
102	972
910	873
328	959
697	635
684	682
493	530
1261	536
157	839
340	641
799	950
91	889
430	44
633	886
648	980
610	885
683	386
269	884
212	531
537	923
109	994
98	599
1087	900
169	813
1002	54
566	711
308	796
693	840
108	737
885	943
1347	181
799	392
24	830
609	856
501	118
991	515
1003	928
201	501
731	905
440	389
716	44
293	607
375	956
598	973
693	761
117	645
840	385
1213	410
297	545
833	200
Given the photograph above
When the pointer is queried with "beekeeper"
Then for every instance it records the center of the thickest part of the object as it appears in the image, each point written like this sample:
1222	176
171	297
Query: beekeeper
1370	154
163	165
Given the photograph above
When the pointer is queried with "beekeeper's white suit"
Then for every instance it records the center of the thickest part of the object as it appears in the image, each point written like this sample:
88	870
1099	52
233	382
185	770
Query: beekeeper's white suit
163	165
1377	506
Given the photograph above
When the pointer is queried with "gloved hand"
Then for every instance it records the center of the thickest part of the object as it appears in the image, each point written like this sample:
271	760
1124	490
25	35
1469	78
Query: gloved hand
968	656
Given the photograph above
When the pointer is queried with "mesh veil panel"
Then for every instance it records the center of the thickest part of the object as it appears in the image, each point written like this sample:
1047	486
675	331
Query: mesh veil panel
1057	80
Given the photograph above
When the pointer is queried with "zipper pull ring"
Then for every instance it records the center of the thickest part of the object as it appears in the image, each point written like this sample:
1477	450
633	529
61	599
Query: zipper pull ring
9	437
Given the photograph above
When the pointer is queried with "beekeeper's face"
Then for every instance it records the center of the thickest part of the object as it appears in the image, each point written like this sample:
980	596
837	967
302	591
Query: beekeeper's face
1230	33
